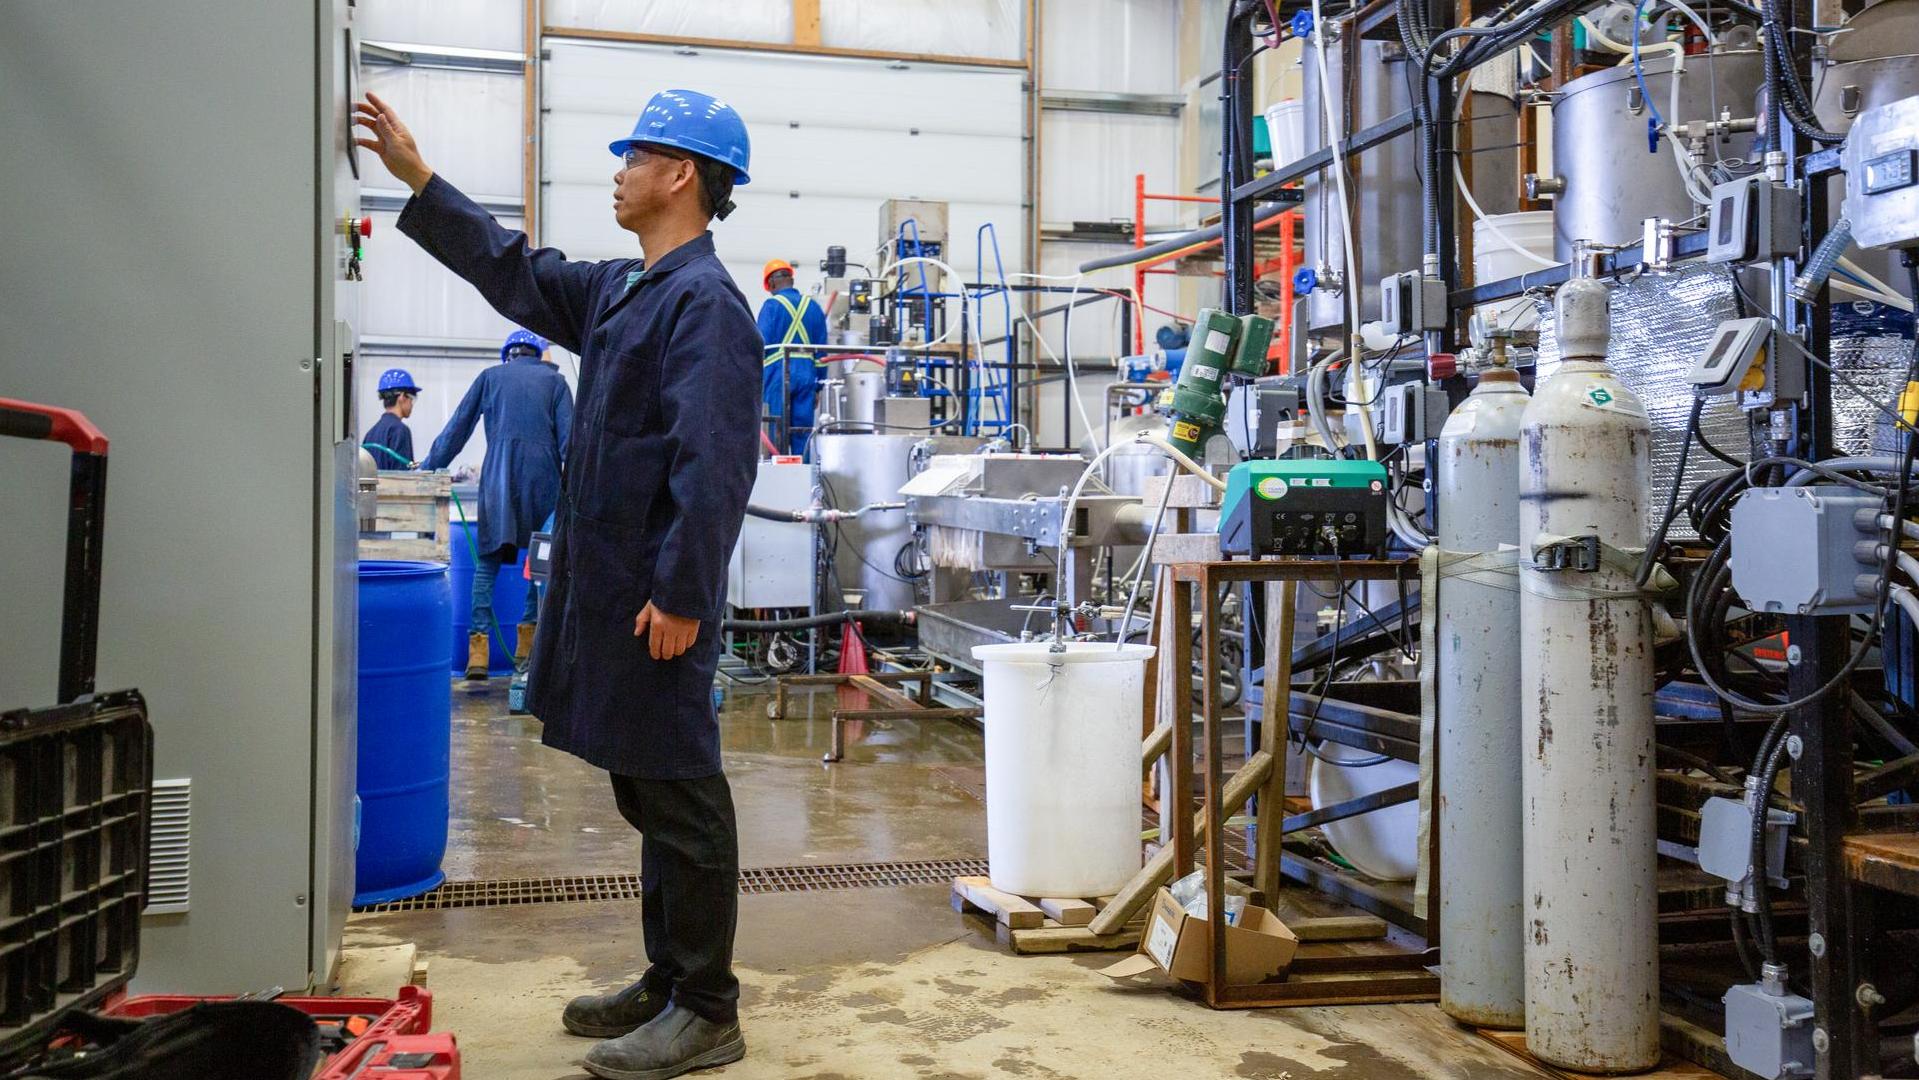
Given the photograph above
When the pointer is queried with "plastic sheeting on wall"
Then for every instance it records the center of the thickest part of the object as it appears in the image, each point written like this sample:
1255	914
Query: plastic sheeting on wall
1089	160
466	122
467	24
1119	46
744	20
991	29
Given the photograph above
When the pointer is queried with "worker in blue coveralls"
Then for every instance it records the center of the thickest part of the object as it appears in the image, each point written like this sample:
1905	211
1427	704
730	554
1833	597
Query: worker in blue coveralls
788	319
528	411
664	452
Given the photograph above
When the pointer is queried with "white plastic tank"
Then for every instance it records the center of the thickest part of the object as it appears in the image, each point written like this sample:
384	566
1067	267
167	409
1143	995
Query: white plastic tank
1482	979
1062	765
1586	730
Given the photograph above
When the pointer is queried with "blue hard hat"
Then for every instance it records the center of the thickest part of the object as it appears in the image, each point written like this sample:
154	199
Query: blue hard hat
397	379
696	123
523	337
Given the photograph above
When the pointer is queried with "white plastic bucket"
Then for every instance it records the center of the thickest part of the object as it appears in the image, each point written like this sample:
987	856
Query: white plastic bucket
1495	260
1382	843
1062	766
1286	126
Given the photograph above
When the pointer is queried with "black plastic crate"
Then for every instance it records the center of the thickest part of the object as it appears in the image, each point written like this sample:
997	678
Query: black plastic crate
75	784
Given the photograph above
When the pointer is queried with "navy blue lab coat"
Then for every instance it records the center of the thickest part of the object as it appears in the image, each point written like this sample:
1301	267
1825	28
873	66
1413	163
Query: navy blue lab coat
529	417
391	432
663	456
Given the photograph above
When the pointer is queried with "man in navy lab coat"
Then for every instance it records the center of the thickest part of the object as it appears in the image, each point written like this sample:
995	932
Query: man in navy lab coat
663	455
529	416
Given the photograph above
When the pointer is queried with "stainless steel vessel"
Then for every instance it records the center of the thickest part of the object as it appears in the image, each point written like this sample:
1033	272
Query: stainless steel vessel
1614	179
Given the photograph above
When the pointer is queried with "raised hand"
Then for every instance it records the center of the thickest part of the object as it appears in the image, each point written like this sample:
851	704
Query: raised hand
392	142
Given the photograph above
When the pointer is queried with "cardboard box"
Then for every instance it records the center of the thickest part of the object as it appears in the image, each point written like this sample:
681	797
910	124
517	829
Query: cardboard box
1258	947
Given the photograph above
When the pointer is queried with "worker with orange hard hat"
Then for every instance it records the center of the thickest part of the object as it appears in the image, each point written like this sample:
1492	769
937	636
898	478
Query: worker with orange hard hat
788	319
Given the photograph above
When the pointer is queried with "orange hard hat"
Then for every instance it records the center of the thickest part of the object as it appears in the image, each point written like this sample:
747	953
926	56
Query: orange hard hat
773	266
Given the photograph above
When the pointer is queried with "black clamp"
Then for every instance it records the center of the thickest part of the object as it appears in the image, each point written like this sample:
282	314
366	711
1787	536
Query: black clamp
1573	553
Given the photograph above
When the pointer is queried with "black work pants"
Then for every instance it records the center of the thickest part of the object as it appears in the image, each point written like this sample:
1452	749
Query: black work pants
689	888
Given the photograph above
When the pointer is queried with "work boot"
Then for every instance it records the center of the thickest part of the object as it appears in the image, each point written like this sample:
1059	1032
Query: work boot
525	649
476	656
673	1043
608	1016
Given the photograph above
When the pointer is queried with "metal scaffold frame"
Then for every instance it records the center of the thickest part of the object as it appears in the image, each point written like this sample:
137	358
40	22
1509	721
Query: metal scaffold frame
1848	875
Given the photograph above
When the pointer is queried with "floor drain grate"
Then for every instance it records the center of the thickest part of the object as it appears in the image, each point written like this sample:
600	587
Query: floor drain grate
764	879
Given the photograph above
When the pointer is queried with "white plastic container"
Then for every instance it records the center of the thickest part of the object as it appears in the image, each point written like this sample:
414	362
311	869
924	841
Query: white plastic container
1380	843
1062	766
1286	126
1494	259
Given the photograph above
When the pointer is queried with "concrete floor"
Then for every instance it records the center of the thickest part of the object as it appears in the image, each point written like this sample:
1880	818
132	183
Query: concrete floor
856	984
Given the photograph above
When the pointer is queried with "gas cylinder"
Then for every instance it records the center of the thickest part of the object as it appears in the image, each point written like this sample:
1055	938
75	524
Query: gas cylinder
1586	682
1482	975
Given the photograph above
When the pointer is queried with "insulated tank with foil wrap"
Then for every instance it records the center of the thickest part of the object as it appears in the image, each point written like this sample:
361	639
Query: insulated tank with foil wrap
1613	177
1482	979
1586	684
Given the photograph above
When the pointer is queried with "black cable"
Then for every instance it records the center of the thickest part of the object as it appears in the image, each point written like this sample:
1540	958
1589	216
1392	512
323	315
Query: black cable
1651	556
1899	490
1761	888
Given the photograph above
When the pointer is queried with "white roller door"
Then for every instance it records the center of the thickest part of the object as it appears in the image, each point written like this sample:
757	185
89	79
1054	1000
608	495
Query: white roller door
832	139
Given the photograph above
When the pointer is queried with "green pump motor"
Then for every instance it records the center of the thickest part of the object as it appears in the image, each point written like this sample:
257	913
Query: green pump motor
1221	344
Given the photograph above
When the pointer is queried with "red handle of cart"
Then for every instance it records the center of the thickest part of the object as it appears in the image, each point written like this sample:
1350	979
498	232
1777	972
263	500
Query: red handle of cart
86	529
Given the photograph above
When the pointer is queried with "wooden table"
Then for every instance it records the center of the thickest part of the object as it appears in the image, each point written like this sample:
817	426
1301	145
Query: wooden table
1317	977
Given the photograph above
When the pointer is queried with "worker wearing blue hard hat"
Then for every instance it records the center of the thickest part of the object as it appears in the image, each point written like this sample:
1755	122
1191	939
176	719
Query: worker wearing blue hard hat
528	409
389	440
662	460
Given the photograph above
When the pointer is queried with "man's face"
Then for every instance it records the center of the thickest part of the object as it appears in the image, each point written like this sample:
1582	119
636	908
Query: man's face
405	405
648	180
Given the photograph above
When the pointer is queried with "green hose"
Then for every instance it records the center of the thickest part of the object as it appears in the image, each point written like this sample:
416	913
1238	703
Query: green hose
473	548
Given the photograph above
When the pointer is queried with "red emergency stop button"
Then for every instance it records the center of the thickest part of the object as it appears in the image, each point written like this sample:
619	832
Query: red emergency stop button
365	226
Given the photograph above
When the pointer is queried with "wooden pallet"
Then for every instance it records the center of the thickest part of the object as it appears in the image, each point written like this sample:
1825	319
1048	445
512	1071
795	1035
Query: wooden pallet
414	520
1670	1067
1038	925
1030	925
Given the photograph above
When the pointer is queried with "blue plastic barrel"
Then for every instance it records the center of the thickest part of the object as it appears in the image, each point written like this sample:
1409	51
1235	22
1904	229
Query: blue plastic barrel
406	716
509	603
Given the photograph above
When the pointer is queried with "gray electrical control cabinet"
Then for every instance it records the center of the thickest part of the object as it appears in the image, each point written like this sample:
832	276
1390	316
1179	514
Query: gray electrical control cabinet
1796	550
178	187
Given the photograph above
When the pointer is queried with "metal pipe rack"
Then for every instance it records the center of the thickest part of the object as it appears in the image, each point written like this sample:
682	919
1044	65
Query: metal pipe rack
1847	875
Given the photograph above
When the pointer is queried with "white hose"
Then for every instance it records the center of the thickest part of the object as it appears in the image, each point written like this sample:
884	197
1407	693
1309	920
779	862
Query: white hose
1333	140
1841	285
1466	191
1594	34
1885	293
1180	458
1907	602
1072	373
